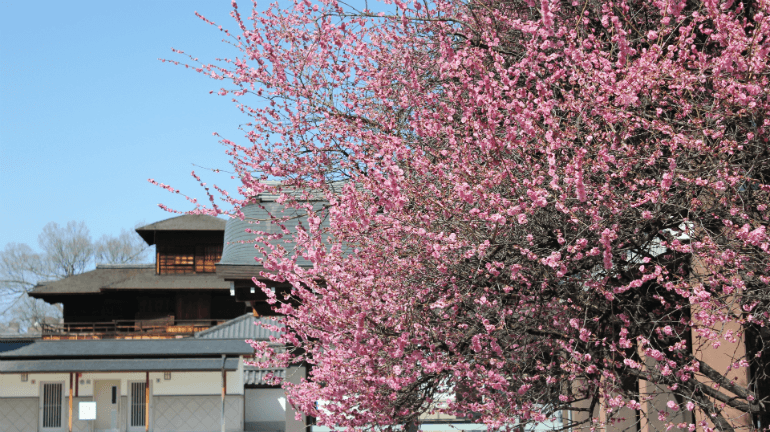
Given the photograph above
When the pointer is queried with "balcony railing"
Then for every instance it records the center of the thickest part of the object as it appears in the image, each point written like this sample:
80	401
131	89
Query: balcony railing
165	328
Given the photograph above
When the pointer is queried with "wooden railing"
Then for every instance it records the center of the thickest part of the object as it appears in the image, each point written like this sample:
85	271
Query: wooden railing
128	329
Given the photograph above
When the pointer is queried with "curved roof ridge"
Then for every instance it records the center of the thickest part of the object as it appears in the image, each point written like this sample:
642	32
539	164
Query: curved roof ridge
187	222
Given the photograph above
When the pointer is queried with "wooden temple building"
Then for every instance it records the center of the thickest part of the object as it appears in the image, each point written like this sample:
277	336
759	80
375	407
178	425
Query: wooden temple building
157	347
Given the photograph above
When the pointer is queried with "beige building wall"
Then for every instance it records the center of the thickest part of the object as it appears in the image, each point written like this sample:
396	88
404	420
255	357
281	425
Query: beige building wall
185	398
192	383
721	359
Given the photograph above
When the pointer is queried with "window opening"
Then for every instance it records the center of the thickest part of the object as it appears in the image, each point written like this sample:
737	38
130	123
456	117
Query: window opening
180	259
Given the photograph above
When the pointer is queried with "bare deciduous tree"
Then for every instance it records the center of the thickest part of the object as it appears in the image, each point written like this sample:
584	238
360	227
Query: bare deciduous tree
66	251
126	248
28	314
20	269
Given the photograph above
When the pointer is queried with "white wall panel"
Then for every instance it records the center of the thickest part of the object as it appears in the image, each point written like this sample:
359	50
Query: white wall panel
265	405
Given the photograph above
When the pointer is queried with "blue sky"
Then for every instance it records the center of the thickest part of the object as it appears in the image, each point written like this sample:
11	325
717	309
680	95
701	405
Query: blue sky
88	113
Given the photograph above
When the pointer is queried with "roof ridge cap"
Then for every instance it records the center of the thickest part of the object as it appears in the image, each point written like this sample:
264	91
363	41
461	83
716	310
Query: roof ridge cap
125	266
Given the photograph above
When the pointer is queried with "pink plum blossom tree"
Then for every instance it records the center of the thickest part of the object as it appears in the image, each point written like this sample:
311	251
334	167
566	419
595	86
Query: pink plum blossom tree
539	208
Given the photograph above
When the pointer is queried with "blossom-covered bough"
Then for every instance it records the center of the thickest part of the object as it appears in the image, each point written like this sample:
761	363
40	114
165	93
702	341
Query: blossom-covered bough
553	206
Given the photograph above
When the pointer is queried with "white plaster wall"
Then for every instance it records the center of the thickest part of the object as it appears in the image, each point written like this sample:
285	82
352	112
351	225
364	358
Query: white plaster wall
237	379
181	383
188	383
265	405
88	379
199	383
12	386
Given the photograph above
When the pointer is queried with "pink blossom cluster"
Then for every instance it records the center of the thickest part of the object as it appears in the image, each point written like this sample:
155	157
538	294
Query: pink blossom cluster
532	206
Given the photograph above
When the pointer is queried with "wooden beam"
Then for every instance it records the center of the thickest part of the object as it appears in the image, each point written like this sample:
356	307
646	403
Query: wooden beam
147	402
70	416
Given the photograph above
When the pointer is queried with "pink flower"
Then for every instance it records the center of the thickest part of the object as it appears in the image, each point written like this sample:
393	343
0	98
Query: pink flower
632	364
657	355
413	150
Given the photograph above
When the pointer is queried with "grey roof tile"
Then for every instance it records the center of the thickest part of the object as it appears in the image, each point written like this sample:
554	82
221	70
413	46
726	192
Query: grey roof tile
121	348
181	223
122	365
254	376
244	327
128	277
239	246
187	223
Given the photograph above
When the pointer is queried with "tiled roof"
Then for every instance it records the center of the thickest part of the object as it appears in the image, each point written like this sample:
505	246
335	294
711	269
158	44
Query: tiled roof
244	327
128	277
19	337
121	365
181	223
118	348
239	245
187	223
254	376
